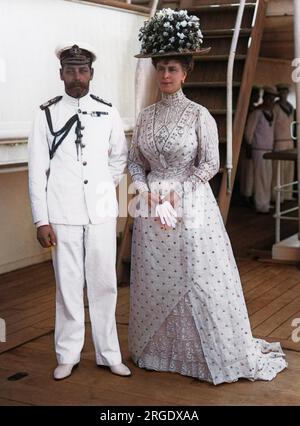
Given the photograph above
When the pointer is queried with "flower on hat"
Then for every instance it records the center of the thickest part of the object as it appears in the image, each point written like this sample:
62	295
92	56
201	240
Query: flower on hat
171	31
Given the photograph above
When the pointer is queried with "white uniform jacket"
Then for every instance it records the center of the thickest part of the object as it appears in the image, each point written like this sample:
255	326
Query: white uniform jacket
70	189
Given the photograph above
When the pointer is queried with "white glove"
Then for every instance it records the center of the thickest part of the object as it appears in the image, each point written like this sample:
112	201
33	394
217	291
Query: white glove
166	213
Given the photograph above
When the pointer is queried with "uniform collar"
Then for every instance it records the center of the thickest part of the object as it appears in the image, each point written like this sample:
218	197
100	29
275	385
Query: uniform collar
75	101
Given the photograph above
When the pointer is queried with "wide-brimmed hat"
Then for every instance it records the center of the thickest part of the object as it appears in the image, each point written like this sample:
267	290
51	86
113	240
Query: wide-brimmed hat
271	90
171	33
76	53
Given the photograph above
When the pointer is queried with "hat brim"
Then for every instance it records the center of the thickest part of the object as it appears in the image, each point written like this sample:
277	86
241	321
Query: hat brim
185	53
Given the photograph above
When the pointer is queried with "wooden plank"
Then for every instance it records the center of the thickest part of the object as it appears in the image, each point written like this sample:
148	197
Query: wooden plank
21	337
264	270
36	302
225	32
285	330
121	5
9	402
216	58
265	295
272	308
29	321
23	274
23	297
286	343
274	272
210	16
188	4
278	318
247	265
90	385
46	325
39	304
243	102
43	390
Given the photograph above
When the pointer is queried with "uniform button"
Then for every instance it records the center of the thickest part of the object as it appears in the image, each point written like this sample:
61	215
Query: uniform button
84	163
85	181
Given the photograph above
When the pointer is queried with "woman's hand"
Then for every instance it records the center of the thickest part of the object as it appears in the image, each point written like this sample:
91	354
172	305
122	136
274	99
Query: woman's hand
173	199
167	215
151	198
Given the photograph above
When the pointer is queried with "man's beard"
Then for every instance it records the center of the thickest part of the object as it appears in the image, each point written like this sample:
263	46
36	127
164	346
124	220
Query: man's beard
77	90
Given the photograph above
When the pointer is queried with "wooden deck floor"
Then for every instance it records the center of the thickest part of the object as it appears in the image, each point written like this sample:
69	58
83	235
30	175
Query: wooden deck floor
272	295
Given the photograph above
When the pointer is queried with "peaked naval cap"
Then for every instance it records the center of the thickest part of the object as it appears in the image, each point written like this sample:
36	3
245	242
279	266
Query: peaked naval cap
76	54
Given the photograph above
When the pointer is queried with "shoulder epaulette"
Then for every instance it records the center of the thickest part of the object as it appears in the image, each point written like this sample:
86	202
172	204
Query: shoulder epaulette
51	102
96	98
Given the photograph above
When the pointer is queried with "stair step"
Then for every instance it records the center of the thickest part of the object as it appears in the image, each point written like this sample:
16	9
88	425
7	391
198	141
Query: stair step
192	85
244	32
219	8
206	58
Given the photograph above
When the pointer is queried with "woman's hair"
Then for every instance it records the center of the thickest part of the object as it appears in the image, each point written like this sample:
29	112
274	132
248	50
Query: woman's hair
186	61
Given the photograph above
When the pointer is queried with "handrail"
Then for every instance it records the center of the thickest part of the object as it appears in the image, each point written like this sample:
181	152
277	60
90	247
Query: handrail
153	7
229	92
240	116
297	86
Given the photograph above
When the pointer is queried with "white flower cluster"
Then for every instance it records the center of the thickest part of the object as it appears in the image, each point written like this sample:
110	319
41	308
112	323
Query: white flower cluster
171	31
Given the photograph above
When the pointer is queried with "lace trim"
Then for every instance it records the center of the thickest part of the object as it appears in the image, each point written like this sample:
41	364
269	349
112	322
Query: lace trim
176	347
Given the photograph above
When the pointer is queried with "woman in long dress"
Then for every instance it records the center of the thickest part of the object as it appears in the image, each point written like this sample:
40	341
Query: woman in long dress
187	309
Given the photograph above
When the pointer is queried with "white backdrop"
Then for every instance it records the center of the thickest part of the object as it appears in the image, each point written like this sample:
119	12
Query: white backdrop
29	71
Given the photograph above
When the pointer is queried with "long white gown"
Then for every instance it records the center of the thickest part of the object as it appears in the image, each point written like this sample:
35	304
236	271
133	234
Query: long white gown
187	309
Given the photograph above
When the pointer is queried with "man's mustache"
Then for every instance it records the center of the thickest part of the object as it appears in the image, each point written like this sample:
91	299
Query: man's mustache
76	85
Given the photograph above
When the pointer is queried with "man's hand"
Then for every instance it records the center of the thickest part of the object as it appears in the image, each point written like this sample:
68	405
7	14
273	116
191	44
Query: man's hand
46	236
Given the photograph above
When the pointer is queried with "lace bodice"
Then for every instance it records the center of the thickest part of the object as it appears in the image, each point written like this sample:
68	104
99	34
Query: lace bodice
174	138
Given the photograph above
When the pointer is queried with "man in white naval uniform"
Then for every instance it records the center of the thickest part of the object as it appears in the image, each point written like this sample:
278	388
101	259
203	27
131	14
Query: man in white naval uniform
77	155
259	135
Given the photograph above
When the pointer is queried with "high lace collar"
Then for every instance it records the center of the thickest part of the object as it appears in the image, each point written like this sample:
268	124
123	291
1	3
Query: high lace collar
173	98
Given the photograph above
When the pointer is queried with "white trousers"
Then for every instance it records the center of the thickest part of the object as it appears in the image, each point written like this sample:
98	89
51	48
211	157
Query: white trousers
86	255
262	170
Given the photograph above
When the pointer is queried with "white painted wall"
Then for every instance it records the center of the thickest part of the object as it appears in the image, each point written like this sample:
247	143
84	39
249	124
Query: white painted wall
18	245
29	32
29	75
